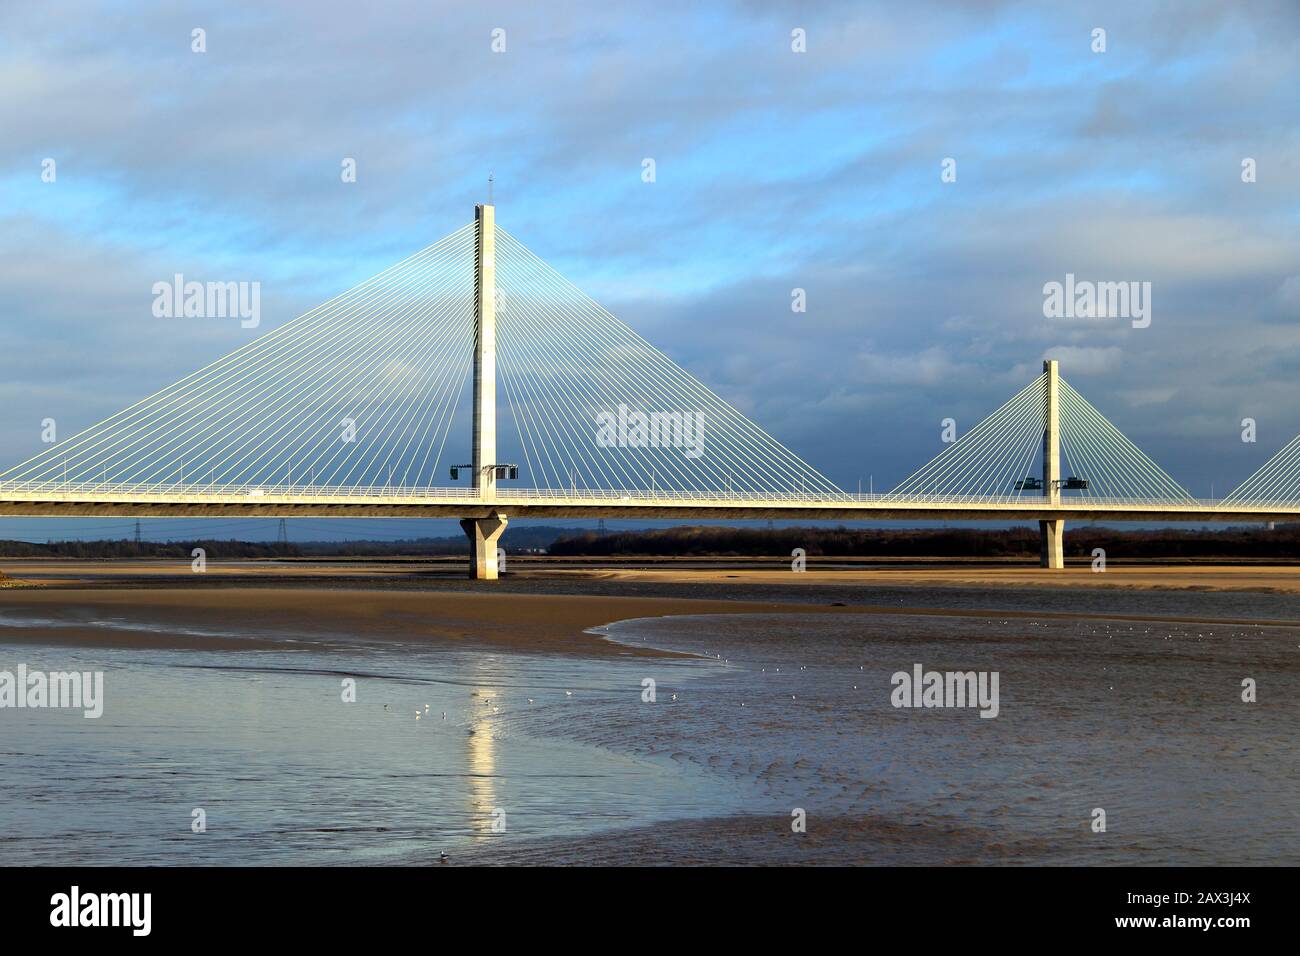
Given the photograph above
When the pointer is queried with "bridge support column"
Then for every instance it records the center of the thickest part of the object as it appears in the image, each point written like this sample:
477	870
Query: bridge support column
484	535
1053	531
1053	538
484	449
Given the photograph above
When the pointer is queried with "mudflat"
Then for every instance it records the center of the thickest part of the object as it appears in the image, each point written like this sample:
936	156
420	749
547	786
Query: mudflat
1274	578
178	617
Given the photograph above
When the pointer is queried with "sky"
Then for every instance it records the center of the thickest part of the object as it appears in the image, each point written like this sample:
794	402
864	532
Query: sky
774	170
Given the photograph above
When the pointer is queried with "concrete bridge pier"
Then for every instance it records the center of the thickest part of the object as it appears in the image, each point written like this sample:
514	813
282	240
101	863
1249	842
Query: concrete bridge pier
484	535
1053	537
1053	530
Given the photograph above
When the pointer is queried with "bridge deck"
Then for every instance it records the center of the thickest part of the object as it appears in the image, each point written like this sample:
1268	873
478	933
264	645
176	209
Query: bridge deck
53	499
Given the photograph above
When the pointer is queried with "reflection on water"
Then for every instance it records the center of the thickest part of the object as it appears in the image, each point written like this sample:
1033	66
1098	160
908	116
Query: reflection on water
289	773
482	766
1141	718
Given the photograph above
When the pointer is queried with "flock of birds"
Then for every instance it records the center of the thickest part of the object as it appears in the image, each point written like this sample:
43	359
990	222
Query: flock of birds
568	693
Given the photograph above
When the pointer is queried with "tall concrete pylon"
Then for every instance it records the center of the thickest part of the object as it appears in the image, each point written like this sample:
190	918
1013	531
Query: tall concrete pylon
485	533
485	351
1052	531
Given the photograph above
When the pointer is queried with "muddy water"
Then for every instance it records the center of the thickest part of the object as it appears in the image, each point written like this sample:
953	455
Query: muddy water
546	759
1142	720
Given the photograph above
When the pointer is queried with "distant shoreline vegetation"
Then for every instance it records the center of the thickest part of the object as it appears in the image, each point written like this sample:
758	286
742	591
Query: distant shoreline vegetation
1282	543
1242	542
126	548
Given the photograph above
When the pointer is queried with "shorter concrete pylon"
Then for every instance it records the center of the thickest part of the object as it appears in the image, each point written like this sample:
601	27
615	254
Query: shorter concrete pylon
483	534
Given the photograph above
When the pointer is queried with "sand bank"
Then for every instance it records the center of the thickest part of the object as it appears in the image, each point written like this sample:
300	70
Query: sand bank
1279	579
1282	579
544	623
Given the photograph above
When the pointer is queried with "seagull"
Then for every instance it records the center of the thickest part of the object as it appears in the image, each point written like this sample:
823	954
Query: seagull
530	700
674	696
443	857
568	693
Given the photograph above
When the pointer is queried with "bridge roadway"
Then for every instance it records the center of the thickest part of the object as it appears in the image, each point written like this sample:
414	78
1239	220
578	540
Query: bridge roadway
57	499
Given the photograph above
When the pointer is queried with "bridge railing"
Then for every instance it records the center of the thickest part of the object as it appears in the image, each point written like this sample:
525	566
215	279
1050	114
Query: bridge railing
298	491
188	489
582	494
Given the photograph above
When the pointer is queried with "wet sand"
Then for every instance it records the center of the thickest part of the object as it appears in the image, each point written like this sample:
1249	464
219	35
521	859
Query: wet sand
526	622
882	788
1274	579
715	572
765	840
547	609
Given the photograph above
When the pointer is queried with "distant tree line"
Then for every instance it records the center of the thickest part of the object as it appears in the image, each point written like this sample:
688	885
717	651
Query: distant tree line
1254	541
522	540
126	548
409	547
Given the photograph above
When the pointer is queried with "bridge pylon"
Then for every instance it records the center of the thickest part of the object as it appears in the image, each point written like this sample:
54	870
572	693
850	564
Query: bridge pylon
1052	530
484	533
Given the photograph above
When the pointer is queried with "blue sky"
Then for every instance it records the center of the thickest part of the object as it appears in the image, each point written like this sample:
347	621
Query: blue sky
775	170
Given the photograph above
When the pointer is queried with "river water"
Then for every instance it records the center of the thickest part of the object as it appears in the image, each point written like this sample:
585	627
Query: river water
529	757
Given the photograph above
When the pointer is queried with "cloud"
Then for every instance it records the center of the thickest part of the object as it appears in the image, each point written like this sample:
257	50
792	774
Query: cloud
1087	360
1289	292
776	170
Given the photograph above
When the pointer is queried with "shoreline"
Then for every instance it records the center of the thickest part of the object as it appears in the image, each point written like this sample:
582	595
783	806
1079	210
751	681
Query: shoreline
294	615
95	574
541	623
1267	579
558	610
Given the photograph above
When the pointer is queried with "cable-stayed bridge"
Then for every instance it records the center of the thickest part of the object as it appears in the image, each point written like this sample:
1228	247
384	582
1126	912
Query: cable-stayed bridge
351	410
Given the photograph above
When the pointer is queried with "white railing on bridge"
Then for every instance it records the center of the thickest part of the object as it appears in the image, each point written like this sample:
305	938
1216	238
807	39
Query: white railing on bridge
190	491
